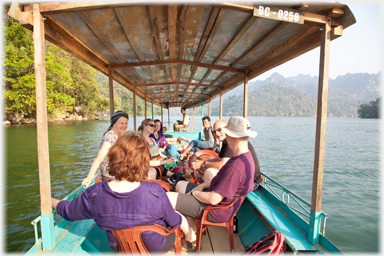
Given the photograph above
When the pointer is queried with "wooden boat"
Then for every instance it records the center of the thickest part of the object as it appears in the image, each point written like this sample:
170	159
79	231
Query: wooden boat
185	55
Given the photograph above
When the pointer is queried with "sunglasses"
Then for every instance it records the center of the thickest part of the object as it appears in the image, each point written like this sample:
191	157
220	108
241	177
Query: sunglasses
218	130
152	125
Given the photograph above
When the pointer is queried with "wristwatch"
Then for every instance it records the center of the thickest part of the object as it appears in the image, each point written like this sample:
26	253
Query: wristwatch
204	165
193	190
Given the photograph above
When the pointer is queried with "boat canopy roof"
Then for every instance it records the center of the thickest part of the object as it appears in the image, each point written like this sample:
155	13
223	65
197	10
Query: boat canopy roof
184	53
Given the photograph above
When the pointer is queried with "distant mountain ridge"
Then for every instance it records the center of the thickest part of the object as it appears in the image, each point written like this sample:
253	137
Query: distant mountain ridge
345	94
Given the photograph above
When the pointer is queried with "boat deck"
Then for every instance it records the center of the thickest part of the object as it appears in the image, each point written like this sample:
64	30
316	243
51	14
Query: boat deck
216	240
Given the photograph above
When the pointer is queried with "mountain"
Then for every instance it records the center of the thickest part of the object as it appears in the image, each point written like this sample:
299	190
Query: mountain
345	94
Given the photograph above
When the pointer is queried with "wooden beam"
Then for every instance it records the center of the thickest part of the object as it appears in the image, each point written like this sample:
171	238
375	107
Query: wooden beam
231	44
315	18
42	130
47	8
105	41
321	120
16	13
127	32
208	36
184	62
183	15
241	7
172	19
175	92
176	82
280	26
174	97
134	108
111	98
221	104
245	101
156	33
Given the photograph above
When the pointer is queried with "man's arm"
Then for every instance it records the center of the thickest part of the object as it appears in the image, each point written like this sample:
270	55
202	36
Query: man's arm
212	197
215	163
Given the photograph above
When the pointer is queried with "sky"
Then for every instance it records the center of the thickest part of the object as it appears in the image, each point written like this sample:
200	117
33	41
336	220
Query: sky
357	51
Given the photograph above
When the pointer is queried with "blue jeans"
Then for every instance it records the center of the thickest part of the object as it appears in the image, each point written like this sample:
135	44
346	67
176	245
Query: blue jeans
196	145
173	150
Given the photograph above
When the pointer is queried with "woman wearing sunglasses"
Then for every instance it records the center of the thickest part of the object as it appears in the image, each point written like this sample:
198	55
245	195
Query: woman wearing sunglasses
147	128
164	145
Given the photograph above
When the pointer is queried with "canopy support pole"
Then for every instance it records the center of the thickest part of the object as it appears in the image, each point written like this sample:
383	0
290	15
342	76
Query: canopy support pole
202	115
245	101
152	108
321	119
209	108
42	131
221	104
193	117
145	106
161	114
169	122
111	98
134	108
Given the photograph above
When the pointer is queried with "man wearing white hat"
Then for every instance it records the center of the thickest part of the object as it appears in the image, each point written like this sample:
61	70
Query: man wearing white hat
234	179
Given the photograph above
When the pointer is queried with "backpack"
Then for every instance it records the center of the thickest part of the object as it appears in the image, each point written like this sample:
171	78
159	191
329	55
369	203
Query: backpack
273	243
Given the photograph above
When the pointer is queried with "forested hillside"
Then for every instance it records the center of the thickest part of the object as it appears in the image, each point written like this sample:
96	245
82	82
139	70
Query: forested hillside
71	84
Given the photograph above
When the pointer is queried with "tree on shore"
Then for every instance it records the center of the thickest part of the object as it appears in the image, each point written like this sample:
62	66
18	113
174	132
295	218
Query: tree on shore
370	110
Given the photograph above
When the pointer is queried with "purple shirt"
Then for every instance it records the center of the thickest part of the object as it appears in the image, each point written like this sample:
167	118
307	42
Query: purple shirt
146	205
234	179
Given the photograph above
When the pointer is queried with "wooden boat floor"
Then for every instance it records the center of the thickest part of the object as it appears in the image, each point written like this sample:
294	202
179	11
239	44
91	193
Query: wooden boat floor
216	241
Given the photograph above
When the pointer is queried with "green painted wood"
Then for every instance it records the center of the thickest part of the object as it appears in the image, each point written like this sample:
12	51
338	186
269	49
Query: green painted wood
280	221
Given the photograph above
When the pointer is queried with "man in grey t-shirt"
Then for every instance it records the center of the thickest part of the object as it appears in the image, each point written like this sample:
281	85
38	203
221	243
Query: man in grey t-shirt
208	140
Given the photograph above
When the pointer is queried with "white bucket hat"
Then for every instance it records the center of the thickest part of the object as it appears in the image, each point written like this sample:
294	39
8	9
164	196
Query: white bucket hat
239	127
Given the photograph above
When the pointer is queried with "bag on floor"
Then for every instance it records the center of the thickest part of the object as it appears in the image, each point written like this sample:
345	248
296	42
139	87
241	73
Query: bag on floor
273	243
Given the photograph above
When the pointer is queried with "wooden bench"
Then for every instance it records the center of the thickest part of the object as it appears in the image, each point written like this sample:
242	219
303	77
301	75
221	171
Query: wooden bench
262	213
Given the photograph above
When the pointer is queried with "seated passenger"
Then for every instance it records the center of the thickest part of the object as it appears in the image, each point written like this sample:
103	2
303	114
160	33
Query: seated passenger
181	123
234	179
119	123
125	202
208	140
164	147
210	168
147	128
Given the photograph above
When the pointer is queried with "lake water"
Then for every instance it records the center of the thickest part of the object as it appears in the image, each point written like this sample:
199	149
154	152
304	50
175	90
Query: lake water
284	146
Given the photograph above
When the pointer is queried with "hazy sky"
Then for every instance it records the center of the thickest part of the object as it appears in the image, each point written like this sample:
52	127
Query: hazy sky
358	50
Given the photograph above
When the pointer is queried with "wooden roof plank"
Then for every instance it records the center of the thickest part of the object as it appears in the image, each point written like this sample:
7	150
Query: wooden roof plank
156	33
136	49
185	62
176	82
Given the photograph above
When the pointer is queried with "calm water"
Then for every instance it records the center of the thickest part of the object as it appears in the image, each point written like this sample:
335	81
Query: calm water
285	148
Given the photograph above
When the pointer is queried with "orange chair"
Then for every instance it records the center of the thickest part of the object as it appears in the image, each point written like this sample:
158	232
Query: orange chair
204	155
164	184
201	224
129	240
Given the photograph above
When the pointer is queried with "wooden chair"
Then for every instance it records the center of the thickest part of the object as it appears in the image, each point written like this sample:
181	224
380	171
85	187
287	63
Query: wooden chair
204	155
129	240
164	184
201	224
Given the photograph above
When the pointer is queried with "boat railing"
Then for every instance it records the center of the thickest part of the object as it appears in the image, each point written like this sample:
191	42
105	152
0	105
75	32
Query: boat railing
300	205
73	195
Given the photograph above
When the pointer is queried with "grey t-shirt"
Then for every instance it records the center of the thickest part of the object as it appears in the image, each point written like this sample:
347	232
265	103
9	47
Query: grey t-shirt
208	134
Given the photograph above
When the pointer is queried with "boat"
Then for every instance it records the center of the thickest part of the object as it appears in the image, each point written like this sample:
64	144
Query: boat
185	55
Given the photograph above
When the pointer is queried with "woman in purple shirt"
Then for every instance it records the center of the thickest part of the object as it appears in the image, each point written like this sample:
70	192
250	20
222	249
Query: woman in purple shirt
127	201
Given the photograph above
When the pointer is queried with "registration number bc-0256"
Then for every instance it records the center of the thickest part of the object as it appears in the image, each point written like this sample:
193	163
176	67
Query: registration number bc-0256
277	13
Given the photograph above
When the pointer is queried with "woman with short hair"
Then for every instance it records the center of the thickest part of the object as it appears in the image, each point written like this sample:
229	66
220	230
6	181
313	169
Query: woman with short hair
128	200
119	124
